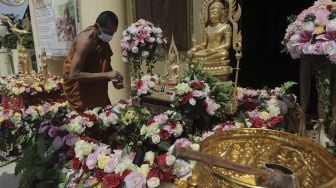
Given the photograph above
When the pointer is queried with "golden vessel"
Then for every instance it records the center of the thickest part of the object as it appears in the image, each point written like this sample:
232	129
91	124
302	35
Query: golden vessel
311	164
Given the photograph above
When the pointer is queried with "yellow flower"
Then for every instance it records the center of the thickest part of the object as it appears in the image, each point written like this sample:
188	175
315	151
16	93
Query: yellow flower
102	159
129	117
265	116
319	30
2	119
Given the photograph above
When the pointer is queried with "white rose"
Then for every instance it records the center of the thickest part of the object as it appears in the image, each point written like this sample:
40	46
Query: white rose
145	54
239	125
195	147
308	26
178	130
295	37
153	182
143	130
331	25
157	30
170	160
135	49
291	28
144	170
149	156
152	130
156	139
151	39
329	47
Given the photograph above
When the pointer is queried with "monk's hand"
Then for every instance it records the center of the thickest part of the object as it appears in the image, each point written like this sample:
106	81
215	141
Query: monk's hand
115	76
118	85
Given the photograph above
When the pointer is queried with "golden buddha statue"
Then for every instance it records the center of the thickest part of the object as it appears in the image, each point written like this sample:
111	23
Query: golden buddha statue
44	66
218	36
172	73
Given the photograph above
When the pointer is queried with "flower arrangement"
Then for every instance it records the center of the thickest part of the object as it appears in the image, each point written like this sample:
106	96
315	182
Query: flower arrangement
313	31
146	84
142	41
265	108
163	129
192	93
18	87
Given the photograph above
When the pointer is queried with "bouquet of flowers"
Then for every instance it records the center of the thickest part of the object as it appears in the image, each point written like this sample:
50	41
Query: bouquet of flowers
313	31
146	84
191	93
162	129
142	41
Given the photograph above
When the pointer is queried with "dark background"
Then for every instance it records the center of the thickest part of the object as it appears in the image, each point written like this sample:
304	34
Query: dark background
264	23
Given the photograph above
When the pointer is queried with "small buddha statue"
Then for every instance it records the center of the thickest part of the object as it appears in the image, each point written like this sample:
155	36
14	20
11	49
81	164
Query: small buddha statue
172	73
165	89
213	54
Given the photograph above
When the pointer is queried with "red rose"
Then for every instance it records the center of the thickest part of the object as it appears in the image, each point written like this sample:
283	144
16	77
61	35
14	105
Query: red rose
197	85
111	180
138	84
153	173
99	174
172	124
275	121
257	122
85	167
150	121
88	139
71	152
186	98
75	164
125	173
166	174
329	7
164	135
204	104
161	159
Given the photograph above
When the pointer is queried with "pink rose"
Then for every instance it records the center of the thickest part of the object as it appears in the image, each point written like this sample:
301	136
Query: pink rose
111	164
321	17
91	161
302	15
135	180
182	142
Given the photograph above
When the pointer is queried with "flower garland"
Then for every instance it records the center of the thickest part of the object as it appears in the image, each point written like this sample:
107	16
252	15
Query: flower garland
313	31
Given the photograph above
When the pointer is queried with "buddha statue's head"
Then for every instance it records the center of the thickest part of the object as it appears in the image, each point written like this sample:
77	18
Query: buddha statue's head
217	12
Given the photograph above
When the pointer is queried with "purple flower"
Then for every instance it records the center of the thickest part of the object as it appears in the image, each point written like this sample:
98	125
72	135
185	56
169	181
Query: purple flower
52	131
135	180
181	168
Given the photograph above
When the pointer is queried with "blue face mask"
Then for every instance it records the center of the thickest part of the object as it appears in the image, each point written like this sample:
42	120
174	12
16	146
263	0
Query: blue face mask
104	37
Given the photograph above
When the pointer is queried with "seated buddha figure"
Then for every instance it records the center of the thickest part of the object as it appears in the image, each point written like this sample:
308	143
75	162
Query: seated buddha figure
172	70
171	77
213	54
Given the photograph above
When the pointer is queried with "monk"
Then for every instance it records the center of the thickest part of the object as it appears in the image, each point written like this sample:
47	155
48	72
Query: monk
87	68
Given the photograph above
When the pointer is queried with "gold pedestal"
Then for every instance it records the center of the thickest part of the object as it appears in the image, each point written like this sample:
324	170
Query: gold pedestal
311	164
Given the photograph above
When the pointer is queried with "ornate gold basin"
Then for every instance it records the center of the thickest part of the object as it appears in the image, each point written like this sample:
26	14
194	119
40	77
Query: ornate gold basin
313	166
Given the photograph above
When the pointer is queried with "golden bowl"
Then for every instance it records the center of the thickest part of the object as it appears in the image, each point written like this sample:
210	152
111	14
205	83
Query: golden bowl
311	164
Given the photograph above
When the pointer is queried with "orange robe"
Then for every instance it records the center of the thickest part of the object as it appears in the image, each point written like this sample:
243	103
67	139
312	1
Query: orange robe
83	95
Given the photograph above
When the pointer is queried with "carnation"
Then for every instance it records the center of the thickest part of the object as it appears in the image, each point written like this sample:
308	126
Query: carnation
82	149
